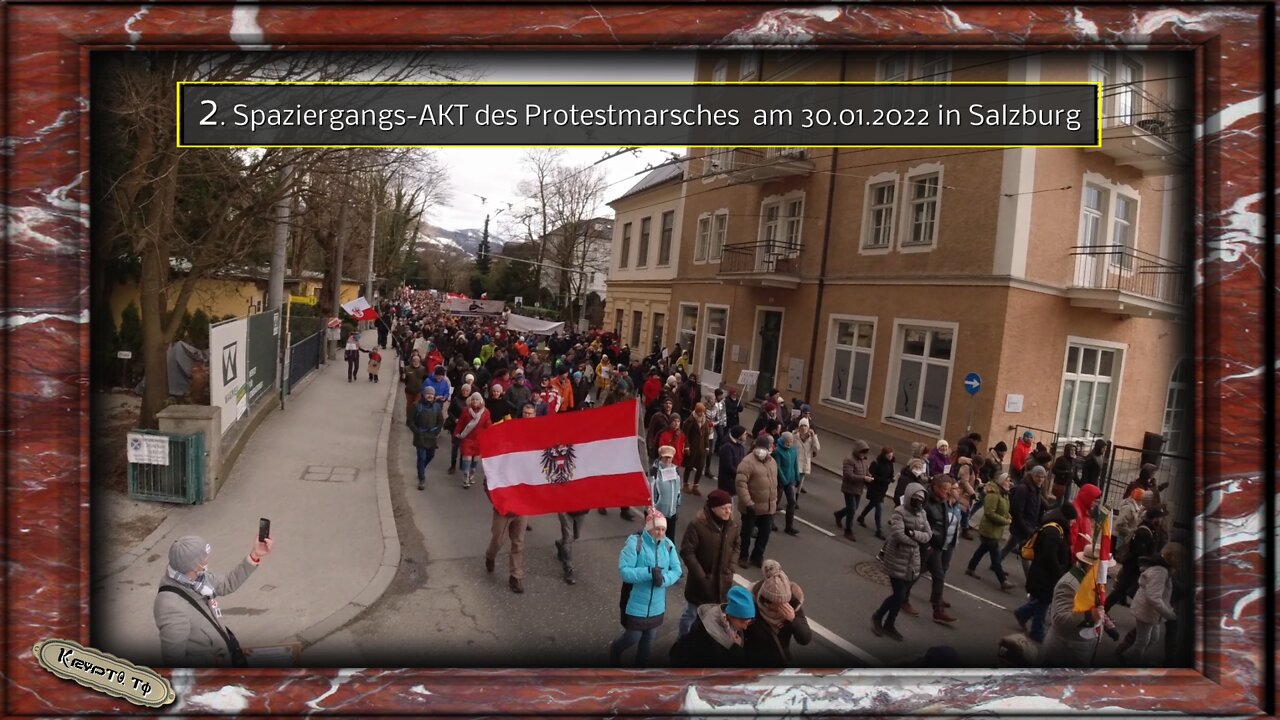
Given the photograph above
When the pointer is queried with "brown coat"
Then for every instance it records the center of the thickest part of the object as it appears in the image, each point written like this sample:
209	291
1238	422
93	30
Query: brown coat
757	484
856	470
708	551
695	442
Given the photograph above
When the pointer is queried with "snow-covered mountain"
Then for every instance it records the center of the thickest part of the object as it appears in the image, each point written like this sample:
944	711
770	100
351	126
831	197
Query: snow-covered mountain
466	240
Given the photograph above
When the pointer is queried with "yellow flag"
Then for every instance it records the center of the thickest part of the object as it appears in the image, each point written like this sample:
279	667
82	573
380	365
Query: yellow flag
1087	596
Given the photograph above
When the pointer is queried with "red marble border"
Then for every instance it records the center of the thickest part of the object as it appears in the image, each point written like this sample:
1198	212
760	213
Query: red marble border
46	509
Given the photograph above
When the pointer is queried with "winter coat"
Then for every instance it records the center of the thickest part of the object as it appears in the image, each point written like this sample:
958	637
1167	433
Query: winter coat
635	566
1153	602
564	386
1092	472
457	406
1053	557
855	470
765	646
428	420
939	514
696	439
187	638
1082	526
732	411
658	423
907	532
519	394
995	512
1130	516
708	549
882	477
1018	461
905	478
499	409
1064	472
675	439
708	644
806	450
413	379
1063	644
441	386
788	473
756	484
937	461
731	455
665	492
470	444
1024	509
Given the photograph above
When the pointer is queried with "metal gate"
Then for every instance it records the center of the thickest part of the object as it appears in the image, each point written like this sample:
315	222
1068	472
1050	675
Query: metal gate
1178	471
304	356
181	481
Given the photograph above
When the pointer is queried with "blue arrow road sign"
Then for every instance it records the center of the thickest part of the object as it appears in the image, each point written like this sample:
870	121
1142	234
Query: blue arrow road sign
972	383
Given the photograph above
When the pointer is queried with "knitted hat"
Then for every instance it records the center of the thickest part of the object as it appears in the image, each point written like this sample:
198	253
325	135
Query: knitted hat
187	553
776	586
654	519
666	451
718	498
804	422
439	370
740	605
1027	435
1138	493
475	362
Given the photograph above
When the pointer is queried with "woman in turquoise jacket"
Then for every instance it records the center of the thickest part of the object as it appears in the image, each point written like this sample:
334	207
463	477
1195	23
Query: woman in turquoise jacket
648	565
788	473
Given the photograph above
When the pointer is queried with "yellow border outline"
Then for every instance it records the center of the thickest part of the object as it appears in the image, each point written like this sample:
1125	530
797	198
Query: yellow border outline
1055	83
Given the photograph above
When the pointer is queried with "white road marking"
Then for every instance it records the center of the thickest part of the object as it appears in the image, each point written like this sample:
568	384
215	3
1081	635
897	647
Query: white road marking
821	631
976	597
824	531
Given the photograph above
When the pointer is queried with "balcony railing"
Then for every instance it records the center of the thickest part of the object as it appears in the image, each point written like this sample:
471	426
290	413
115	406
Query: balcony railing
1131	105
776	263
765	164
1137	282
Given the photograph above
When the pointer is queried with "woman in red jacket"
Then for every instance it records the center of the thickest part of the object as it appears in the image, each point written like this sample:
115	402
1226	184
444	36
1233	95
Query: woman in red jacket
1082	526
674	437
475	420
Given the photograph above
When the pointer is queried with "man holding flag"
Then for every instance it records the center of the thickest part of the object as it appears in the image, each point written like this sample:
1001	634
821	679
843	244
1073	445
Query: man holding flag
1076	617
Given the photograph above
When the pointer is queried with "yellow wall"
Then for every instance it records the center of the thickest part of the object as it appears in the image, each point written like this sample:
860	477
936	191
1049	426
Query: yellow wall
215	297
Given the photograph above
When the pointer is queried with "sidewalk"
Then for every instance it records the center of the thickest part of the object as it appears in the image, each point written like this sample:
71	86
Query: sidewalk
318	470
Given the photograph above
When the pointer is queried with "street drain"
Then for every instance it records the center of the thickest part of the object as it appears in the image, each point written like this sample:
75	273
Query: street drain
872	571
325	473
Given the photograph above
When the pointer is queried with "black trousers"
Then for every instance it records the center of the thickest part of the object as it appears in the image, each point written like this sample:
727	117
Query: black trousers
763	525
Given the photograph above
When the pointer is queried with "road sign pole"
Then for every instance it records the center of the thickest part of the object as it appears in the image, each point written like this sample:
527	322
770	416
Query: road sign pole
968	427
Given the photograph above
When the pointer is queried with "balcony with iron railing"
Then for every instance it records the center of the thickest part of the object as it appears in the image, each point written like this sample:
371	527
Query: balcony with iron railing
751	165
1124	281
763	264
1140	130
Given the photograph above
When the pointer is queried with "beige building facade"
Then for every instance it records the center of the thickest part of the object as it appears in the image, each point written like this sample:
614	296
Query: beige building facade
873	281
647	231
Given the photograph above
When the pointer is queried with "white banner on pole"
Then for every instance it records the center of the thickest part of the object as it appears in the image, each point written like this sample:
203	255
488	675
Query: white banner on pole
148	449
464	306
228	363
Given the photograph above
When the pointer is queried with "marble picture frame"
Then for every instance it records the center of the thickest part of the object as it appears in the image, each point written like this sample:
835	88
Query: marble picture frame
46	516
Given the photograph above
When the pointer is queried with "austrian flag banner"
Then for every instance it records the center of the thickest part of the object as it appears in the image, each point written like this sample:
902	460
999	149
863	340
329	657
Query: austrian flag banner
566	462
359	310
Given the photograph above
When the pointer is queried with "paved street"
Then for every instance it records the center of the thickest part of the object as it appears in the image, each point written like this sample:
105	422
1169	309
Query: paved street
444	610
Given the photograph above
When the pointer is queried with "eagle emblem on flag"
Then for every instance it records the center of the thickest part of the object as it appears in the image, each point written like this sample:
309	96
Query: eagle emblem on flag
557	463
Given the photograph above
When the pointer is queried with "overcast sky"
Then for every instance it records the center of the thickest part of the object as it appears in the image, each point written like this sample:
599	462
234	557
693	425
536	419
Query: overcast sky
494	172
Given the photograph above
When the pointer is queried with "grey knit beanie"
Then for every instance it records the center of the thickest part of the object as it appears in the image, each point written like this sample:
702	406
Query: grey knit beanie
187	553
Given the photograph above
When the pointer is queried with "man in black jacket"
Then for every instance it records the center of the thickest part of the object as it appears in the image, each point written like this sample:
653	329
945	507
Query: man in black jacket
1025	506
731	453
1091	474
944	520
1053	558
716	639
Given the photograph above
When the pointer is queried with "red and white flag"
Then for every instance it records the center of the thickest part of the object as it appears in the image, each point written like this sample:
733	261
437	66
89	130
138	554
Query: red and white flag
566	462
359	309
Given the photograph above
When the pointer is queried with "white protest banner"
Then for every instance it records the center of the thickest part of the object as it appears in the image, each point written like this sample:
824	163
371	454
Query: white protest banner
748	378
463	306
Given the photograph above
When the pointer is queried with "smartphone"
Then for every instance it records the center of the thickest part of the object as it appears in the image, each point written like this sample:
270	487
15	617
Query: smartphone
264	529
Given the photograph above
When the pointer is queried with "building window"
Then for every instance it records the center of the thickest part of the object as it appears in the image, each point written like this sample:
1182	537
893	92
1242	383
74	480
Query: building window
1108	219
1085	406
626	245
714	334
924	362
642	259
769	230
637	317
1122	233
794	220
749	66
617	323
704	239
687	334
878	233
664	240
923	193
1177	410
717	162
659	327
721	229
850	344
892	68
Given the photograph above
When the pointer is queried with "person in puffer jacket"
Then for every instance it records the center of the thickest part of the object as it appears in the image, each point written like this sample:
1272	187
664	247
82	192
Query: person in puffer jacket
1153	603
908	530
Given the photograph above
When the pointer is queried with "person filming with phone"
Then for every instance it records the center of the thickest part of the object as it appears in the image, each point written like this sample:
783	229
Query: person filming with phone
186	609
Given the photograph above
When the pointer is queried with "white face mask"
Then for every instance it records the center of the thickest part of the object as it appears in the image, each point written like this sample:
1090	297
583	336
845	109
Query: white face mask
918	472
761	453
